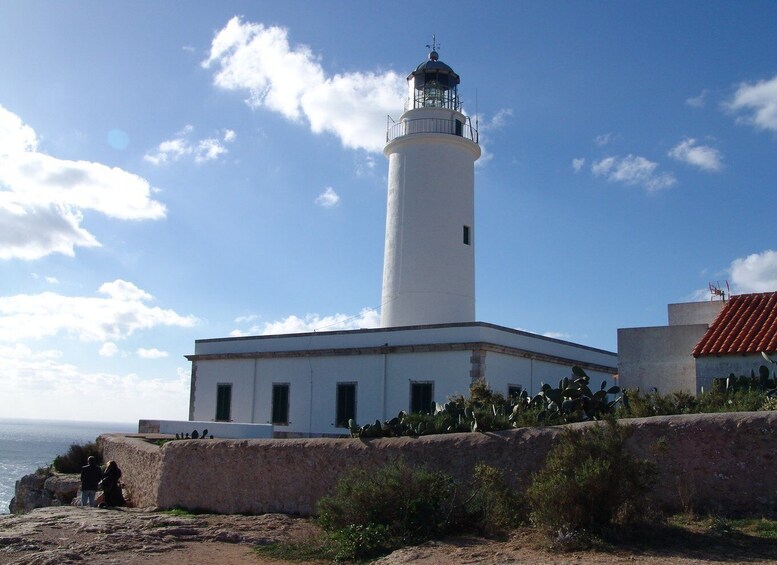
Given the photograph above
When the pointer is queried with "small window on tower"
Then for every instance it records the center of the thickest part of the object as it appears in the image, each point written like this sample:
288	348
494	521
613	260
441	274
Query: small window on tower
466	236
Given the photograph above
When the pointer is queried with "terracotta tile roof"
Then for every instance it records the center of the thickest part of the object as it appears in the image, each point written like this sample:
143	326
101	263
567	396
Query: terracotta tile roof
747	324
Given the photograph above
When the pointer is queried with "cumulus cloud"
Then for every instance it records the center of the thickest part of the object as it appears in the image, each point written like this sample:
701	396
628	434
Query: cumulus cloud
40	384
202	150
367	318
108	349
577	164
121	311
486	126
758	103
634	171
604	139
365	165
698	101
42	198
151	353
702	156
260	61
328	199
755	273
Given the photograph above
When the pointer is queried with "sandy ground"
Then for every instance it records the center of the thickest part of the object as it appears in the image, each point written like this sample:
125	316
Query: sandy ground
63	535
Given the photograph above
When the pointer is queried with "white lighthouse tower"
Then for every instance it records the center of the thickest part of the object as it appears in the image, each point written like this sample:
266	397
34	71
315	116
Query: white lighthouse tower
429	258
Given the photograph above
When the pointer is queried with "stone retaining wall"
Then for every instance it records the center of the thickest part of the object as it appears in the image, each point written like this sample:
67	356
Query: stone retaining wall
721	463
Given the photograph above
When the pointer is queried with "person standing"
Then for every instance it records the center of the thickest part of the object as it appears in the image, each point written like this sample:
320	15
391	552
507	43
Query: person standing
90	478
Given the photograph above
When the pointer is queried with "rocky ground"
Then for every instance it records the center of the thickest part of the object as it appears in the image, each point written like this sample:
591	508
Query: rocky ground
63	535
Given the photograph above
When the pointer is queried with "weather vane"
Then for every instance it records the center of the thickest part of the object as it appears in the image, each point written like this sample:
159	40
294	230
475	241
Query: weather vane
434	46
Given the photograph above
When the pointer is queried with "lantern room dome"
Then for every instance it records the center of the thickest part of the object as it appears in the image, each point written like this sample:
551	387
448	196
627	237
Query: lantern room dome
433	64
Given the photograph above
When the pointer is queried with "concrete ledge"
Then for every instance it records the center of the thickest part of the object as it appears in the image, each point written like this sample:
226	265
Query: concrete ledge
707	463
226	430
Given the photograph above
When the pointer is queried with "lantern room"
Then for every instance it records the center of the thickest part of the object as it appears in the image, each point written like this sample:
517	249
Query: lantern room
433	85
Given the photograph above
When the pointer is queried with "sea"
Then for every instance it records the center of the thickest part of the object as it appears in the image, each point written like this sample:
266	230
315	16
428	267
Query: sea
26	445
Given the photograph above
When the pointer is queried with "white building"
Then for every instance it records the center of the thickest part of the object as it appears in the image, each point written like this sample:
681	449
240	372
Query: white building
429	346
703	341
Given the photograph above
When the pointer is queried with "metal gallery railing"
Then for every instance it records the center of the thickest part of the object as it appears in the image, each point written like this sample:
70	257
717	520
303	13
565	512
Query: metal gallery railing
431	125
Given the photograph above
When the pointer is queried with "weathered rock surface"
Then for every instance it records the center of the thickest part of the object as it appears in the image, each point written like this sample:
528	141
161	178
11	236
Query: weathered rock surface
37	491
69	534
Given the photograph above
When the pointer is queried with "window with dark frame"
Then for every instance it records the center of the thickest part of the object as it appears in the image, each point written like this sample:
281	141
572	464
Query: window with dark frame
346	404
421	394
514	391
223	402
280	404
466	236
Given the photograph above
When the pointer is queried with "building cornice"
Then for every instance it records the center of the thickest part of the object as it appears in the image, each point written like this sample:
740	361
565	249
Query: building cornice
400	349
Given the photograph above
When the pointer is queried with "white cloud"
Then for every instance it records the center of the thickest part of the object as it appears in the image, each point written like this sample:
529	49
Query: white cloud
485	127
498	120
577	164
39	384
755	273
152	353
367	318
759	102
109	349
604	139
328	199
42	198
291	81
118	314
634	171
702	156
698	295
208	149
698	101
365	165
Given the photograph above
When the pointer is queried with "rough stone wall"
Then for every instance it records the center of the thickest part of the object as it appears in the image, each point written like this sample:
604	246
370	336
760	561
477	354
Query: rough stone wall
718	463
709	462
141	467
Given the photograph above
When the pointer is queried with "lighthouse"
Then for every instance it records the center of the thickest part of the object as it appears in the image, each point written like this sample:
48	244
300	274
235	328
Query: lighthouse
430	347
429	256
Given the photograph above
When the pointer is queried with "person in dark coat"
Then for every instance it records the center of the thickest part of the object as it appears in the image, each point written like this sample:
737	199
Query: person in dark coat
90	478
111	487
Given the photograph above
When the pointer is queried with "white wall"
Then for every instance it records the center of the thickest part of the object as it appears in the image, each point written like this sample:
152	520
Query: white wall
383	380
689	313
237	372
710	367
659	357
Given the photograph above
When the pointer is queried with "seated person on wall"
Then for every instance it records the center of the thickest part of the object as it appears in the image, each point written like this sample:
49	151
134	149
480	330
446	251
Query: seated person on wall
112	495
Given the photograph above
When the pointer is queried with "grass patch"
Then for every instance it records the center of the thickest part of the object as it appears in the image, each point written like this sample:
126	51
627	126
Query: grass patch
316	549
185	512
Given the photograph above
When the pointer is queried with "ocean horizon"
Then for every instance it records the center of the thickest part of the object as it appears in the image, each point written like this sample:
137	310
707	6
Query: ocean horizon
28	444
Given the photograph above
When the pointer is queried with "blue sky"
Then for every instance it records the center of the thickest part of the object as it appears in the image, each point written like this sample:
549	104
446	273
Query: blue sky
179	170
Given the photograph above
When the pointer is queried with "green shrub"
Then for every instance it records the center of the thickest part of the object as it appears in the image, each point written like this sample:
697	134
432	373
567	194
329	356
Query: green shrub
589	481
400	503
493	507
360	542
75	457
